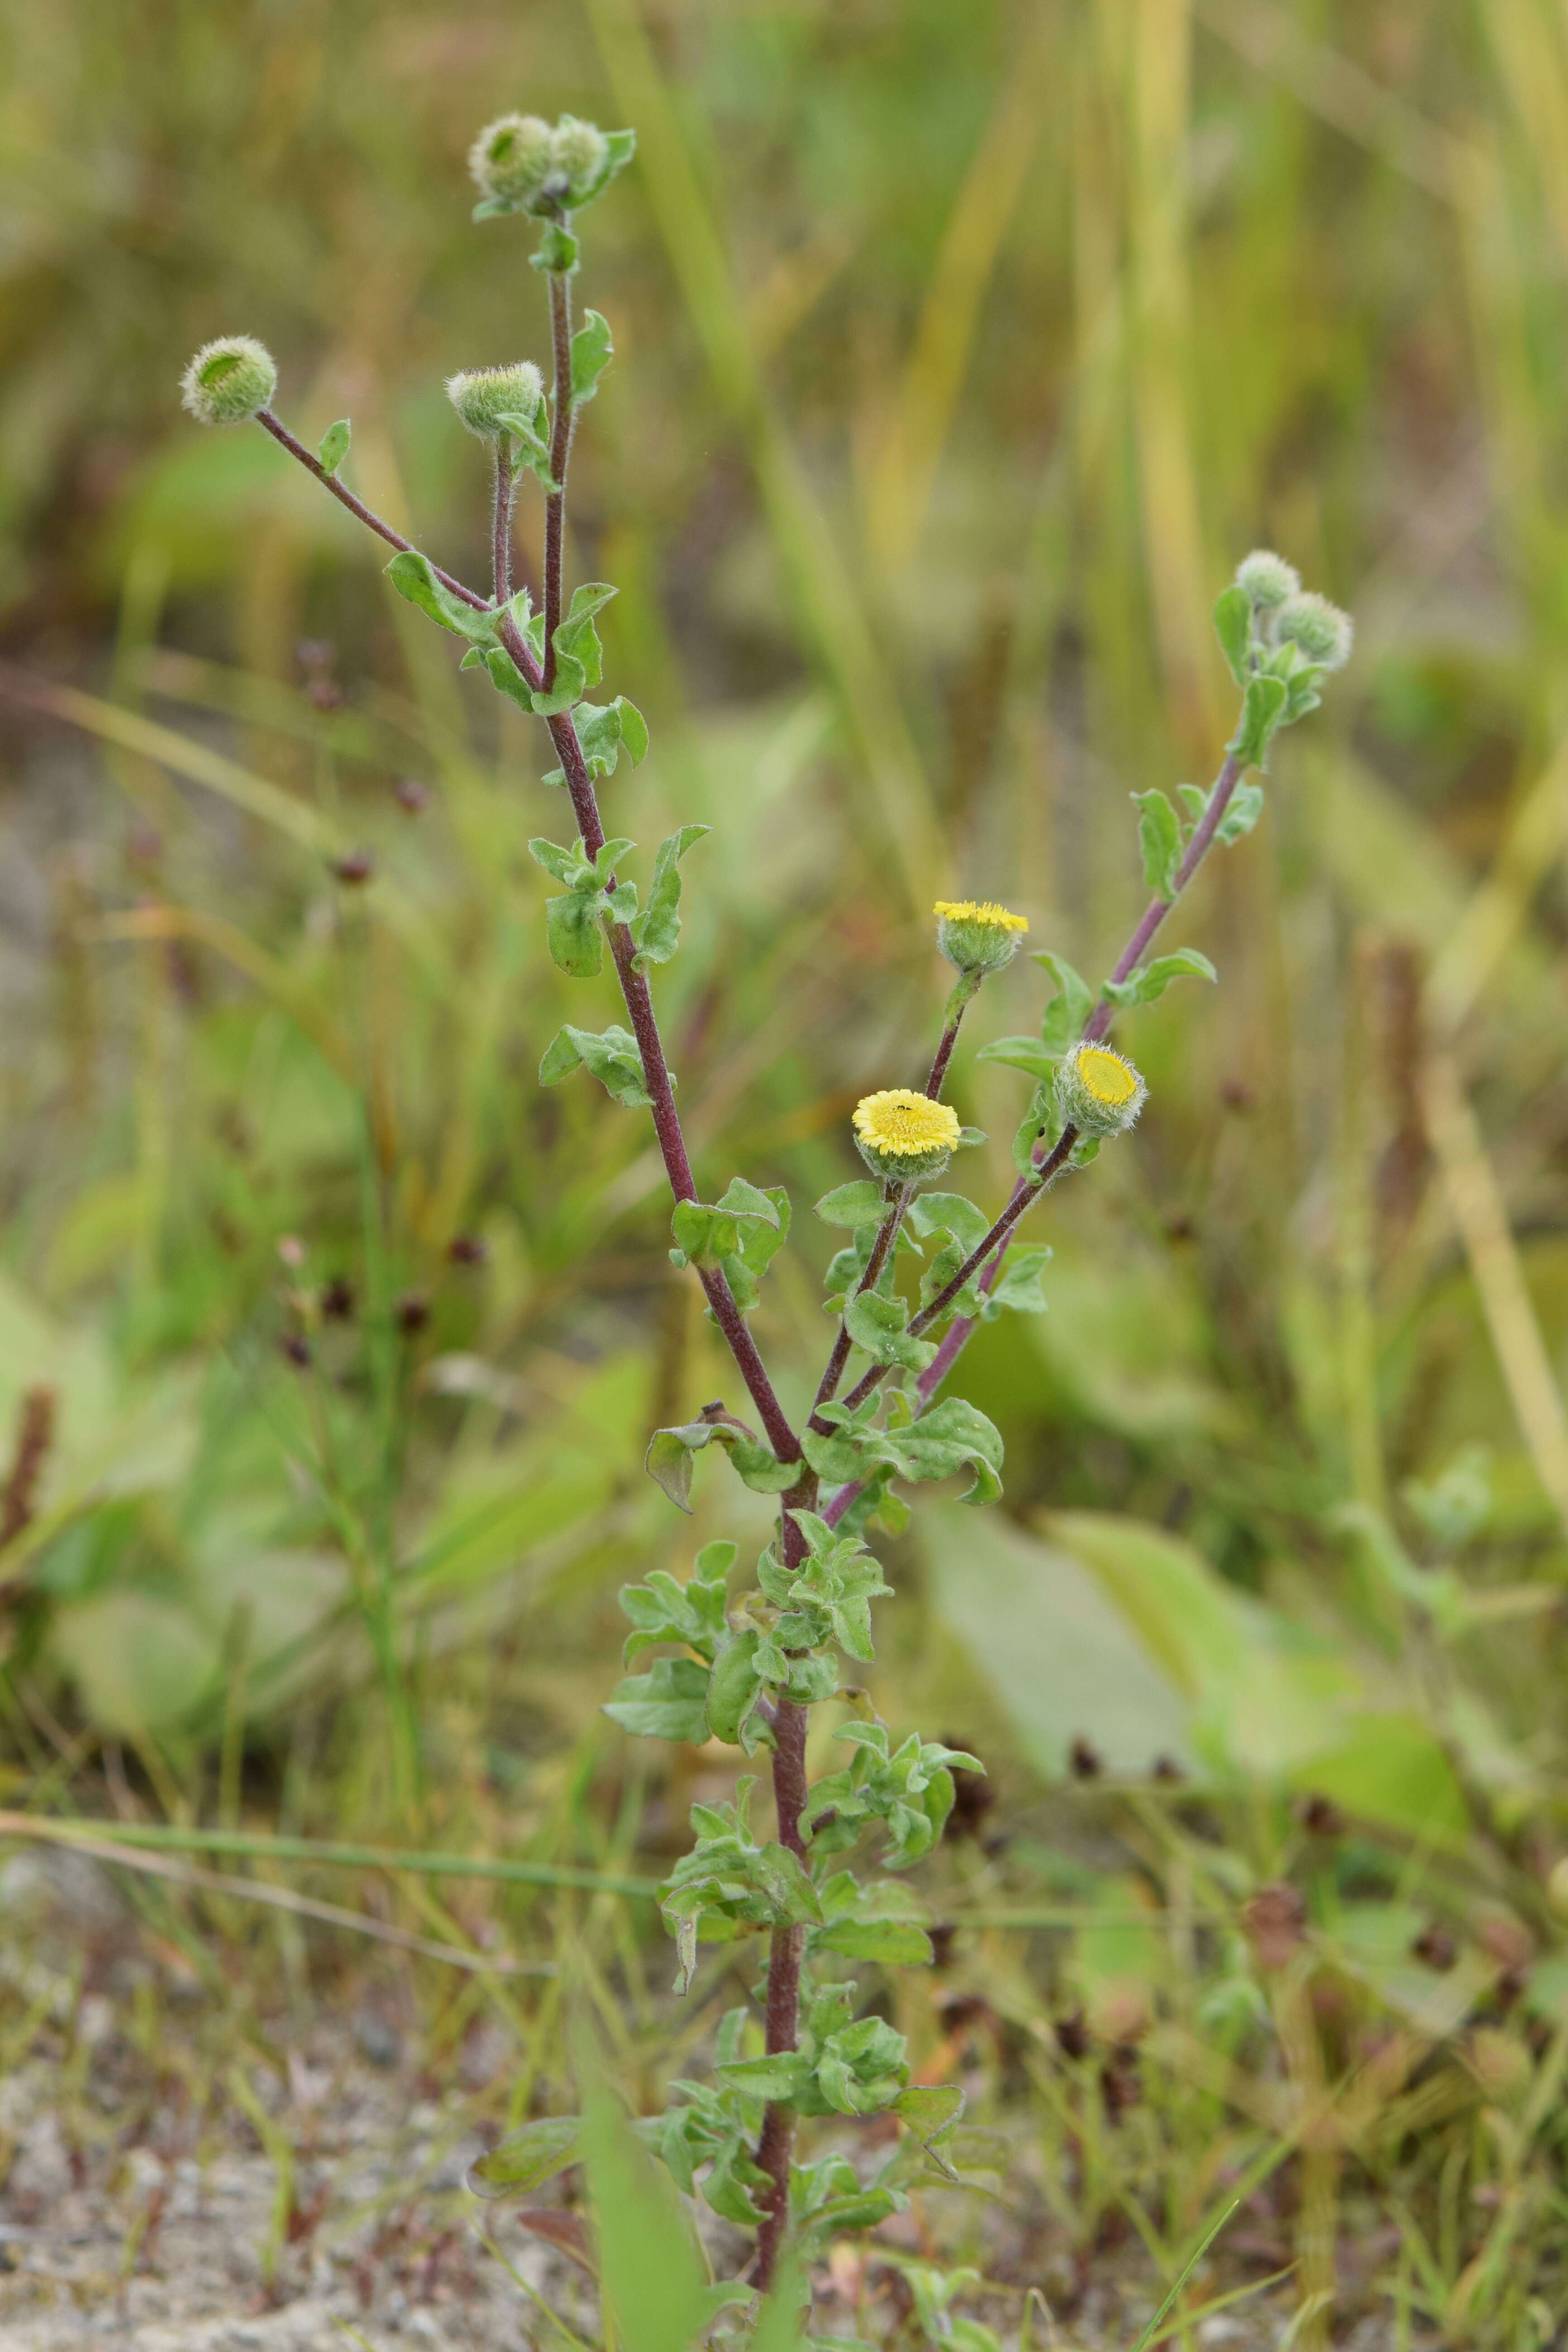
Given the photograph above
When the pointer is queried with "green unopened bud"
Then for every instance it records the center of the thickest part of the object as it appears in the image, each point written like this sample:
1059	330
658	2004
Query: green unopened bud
1098	1092
578	153
1320	629
229	381
512	158
977	935
485	397
1267	579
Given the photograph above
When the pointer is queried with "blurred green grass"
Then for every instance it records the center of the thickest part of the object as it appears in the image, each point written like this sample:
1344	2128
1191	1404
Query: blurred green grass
957	361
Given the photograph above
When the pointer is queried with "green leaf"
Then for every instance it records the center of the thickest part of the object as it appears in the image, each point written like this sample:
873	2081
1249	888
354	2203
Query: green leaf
929	2109
1160	839
558	252
1021	1053
1150	980
533	448
1018	1287
788	1886
506	677
776	2077
527	2158
950	1213
1260	715
733	1686
954	1436
893	1941
876	1321
601	731
669	1702
612	1059
591	350
576	638
1068	1009
1242	813
413	577
575	934
620	146
1233	627
657	931
860	1203
670	1452
333	446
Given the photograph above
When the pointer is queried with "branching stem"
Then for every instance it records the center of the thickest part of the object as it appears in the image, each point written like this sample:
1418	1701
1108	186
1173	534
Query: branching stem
899	1199
1028	1188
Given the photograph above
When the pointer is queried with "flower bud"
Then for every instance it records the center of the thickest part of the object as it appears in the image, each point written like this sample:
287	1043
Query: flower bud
1267	579
977	936
484	397
1098	1092
228	380
512	158
905	1137
1320	629
579	152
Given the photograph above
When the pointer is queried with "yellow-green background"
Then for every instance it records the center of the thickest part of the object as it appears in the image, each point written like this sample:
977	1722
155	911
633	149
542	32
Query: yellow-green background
960	354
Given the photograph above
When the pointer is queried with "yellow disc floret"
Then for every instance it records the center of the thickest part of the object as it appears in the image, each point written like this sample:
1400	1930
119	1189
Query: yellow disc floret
904	1124
981	910
977	935
1098	1092
1108	1079
905	1136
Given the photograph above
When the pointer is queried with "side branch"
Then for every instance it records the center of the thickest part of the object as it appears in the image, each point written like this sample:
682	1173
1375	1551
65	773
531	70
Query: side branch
634	985
900	1198
356	507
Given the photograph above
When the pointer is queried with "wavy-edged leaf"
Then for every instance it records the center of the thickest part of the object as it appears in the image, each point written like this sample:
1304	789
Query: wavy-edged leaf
1068	1009
1160	840
657	931
592	347
669	1702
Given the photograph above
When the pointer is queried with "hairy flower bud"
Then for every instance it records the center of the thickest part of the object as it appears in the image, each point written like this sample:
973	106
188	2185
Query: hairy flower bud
1098	1092
905	1137
1267	579
578	153
228	380
977	936
484	397
1320	629
512	158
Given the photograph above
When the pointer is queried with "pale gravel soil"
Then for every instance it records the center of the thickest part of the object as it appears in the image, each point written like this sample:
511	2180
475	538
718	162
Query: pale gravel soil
138	2205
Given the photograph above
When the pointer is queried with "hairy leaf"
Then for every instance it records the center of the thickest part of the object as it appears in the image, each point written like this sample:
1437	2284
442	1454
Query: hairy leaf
335	447
1159	840
1068	1009
669	1702
612	1058
591	350
1233	627
657	931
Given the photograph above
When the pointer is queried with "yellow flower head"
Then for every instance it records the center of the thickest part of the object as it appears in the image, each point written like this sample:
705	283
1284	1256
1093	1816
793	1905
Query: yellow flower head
977	935
905	1136
1098	1092
981	910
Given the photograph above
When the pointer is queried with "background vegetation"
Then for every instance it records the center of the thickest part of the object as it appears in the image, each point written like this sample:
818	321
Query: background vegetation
959	354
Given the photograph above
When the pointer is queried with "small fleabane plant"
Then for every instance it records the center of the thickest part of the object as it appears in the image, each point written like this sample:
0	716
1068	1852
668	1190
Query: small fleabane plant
745	1663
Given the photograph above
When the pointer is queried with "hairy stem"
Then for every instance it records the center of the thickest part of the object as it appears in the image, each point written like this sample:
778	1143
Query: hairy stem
560	458
777	2145
356	507
500	522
